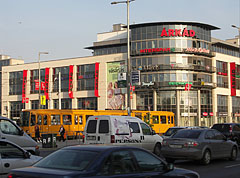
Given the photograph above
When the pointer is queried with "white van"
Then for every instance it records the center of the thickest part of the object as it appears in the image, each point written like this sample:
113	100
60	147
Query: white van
119	130
12	132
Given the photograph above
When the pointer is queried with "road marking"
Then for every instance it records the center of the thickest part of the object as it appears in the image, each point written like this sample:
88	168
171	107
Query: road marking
232	166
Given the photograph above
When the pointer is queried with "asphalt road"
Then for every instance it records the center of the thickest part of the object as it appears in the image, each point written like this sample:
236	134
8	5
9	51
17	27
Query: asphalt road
222	168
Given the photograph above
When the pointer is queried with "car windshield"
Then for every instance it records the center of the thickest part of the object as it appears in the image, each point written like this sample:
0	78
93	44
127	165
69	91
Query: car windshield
68	160
221	127
171	131
187	133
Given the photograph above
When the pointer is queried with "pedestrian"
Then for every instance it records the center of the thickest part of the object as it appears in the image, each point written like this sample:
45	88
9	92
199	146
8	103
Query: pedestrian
37	133
62	132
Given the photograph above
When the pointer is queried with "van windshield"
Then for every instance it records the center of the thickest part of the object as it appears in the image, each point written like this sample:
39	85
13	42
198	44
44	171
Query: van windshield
25	118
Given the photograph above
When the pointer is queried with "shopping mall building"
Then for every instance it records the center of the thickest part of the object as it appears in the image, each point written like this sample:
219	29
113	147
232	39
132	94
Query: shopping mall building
176	66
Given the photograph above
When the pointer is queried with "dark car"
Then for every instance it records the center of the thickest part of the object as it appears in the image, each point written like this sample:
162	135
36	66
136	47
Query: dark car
101	161
199	144
230	130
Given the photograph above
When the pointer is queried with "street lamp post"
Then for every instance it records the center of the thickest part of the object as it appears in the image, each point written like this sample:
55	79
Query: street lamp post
128	55
39	79
234	26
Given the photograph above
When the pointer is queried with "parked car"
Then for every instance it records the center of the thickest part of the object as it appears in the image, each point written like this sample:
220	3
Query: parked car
101	161
230	130
199	144
12	132
122	130
12	156
172	130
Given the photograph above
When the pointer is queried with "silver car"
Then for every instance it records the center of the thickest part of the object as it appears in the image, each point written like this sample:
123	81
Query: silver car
198	144
12	156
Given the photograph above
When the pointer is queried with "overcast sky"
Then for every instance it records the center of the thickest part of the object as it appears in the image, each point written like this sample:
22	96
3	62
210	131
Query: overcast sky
65	27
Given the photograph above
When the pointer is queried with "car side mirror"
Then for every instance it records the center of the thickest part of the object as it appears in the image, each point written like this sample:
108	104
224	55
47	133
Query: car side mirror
21	132
153	132
169	166
27	155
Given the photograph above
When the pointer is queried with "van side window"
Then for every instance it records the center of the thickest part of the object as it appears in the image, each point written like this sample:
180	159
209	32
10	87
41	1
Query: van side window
92	125
135	127
8	128
8	151
87	116
33	120
103	126
145	129
163	119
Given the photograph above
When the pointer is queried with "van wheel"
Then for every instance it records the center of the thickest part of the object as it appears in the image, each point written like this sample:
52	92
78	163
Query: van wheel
157	149
206	157
234	154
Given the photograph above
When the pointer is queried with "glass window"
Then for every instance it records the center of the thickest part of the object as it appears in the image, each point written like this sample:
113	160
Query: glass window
39	121
145	129
33	120
119	162
55	120
91	127
147	162
8	128
163	119
8	151
134	127
67	120
155	119
103	126
45	120
187	133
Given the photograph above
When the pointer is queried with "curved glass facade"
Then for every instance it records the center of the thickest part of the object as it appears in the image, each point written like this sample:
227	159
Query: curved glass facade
170	56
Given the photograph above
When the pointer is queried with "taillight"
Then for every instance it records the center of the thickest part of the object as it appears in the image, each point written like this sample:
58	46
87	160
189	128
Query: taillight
83	138
230	129
191	144
9	176
112	139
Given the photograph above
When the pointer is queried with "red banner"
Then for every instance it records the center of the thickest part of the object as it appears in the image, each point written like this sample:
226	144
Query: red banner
70	86
24	86
96	79
46	83
233	78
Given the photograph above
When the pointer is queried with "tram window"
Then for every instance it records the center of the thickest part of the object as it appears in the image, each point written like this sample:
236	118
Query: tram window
80	120
169	120
45	120
76	120
163	119
39	120
67	120
172	119
55	119
33	120
155	119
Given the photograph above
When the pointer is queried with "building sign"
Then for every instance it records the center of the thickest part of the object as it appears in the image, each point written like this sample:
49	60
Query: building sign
46	83
43	100
177	32
211	113
96	79
115	95
154	50
24	83
188	87
179	83
147	84
36	84
70	84
122	80
205	114
135	78
190	114
233	78
197	50
86	76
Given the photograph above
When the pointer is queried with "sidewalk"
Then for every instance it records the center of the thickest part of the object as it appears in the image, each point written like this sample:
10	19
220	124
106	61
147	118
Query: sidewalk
62	144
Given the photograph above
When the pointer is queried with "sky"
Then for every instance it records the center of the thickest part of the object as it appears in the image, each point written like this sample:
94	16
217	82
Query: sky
63	28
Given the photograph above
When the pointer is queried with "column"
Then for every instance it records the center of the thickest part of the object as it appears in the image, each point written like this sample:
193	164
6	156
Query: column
178	114
199	108
154	100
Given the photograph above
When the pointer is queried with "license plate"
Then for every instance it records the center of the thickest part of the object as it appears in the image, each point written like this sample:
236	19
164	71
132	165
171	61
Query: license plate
91	137
175	146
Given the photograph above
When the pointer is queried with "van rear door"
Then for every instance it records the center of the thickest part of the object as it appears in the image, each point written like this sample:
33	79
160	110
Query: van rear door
103	134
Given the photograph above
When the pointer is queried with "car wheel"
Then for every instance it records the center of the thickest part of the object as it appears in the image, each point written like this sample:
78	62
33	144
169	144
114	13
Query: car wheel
170	160
206	157
157	149
234	154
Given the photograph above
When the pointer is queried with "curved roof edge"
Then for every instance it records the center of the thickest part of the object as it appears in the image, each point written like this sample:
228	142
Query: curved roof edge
211	27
